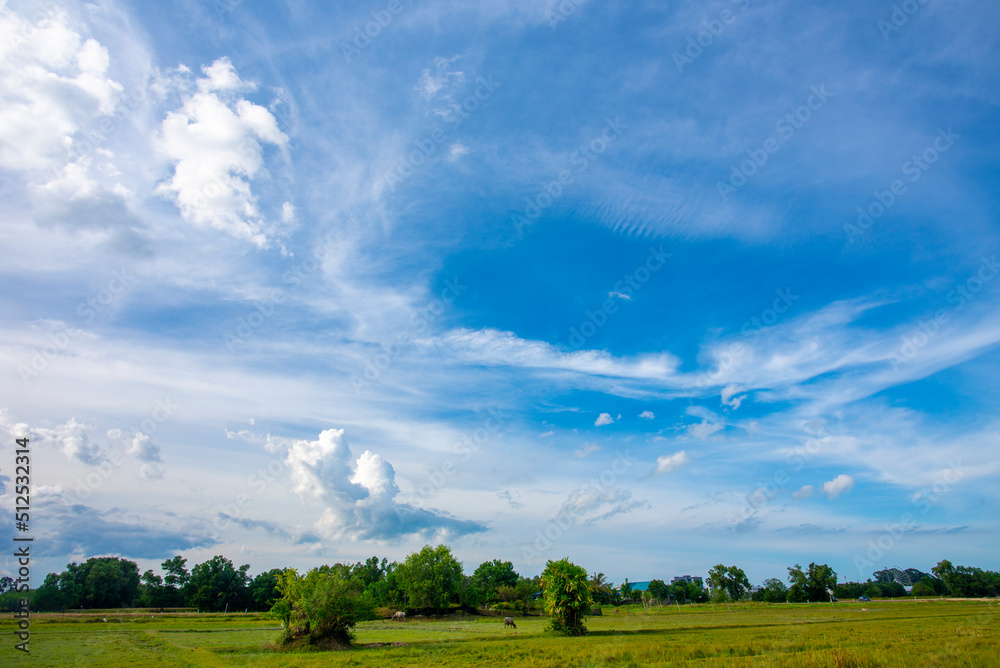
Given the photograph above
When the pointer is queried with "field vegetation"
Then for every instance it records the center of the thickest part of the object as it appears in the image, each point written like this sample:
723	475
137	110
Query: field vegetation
911	632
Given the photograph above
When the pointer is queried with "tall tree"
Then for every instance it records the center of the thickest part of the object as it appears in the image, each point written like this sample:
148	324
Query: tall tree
567	596
263	590
430	577
217	585
814	584
175	582
491	575
728	582
772	590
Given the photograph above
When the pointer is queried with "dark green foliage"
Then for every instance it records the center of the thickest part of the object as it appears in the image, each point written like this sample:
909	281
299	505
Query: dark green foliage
567	596
658	590
772	590
323	605
263	590
99	582
814	584
728	582
430	577
688	592
216	585
493	574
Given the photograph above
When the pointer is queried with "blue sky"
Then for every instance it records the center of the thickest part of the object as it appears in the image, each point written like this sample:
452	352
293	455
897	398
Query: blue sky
654	286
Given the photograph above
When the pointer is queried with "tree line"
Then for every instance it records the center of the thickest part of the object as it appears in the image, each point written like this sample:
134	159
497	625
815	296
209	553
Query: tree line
327	601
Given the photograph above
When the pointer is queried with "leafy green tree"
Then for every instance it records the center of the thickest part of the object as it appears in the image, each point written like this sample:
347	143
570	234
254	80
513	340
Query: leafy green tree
873	590
626	592
263	590
923	588
688	592
772	590
600	589
893	589
567	596
493	574
152	593
525	588
48	597
728	582
849	590
323	605
387	592
175	582
430	577
217	585
370	571
815	584
469	596
658	589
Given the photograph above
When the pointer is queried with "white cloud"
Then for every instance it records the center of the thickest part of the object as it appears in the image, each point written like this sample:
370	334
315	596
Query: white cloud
728	398
670	463
703	430
586	450
603	419
457	150
842	484
73	439
647	415
359	500
620	295
804	492
141	446
215	142
54	81
586	505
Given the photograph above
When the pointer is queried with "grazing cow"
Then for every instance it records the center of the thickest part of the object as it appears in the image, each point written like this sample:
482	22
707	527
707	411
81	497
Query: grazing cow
509	621
401	616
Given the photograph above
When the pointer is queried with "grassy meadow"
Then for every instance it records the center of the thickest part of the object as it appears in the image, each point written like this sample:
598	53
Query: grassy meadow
929	632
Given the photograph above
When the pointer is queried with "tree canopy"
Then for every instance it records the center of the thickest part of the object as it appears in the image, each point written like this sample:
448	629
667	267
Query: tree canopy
567	596
430	577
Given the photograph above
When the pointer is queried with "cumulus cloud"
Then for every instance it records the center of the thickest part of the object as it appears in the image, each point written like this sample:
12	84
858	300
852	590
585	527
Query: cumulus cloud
647	415
586	450
842	484
804	492
54	81
620	295
603	419
704	429
358	496
215	142
669	463
73	440
142	447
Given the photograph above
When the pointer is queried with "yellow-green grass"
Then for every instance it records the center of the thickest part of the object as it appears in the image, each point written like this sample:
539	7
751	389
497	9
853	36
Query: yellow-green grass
881	633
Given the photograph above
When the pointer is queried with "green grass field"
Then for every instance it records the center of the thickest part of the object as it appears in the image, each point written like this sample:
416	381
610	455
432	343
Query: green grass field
882	633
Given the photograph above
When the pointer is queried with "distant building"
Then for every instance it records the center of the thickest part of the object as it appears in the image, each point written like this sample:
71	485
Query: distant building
639	586
687	578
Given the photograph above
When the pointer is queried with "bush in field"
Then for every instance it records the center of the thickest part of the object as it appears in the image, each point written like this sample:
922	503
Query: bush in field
323	605
567	596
